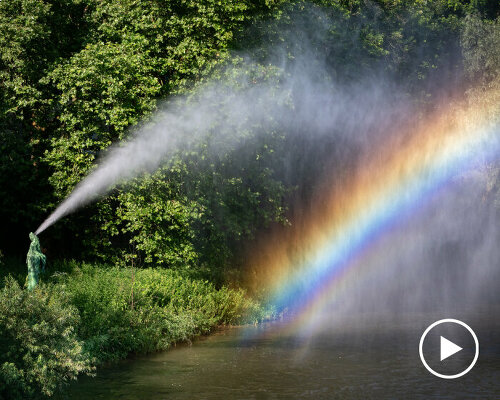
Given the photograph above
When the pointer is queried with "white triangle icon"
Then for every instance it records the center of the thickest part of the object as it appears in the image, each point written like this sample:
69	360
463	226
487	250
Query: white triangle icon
448	348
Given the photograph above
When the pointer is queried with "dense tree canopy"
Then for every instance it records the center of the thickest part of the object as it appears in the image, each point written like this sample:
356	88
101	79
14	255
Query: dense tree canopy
76	75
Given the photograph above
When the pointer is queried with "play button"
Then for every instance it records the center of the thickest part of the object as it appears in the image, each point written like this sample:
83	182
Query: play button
449	348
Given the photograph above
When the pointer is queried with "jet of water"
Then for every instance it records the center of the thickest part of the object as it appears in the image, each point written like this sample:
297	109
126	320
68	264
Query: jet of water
222	111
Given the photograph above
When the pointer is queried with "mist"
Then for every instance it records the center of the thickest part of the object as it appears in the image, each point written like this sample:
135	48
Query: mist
443	258
445	255
295	103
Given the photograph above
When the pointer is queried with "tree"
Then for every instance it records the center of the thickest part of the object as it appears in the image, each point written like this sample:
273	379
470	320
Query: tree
481	50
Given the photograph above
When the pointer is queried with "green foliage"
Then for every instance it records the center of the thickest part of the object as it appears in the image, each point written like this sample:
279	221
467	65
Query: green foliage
158	219
210	307
134	53
139	51
40	350
413	40
481	49
126	310
89	314
33	35
193	213
75	75
103	89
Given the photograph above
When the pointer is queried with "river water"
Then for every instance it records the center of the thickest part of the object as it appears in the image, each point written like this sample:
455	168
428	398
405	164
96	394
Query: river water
353	358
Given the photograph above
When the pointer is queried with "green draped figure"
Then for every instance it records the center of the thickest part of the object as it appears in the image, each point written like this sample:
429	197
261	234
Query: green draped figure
36	262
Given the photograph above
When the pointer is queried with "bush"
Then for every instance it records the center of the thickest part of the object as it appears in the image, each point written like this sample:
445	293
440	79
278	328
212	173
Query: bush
40	350
126	310
181	294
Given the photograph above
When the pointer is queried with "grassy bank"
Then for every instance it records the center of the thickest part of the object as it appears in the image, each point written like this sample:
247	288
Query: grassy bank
90	314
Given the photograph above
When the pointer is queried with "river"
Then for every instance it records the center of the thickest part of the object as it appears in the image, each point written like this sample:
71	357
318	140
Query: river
356	358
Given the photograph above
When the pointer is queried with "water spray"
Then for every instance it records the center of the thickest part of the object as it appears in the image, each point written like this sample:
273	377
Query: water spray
221	112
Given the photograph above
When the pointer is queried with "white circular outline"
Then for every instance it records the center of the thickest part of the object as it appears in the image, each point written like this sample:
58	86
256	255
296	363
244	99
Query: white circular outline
421	344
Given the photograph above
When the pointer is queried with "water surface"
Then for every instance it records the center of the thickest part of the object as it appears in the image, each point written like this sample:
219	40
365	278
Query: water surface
360	358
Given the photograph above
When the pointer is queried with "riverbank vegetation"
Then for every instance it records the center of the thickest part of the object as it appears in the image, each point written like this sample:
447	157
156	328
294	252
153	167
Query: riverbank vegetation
161	259
90	314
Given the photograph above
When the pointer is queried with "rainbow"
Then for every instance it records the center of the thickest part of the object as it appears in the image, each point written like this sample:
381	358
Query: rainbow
395	178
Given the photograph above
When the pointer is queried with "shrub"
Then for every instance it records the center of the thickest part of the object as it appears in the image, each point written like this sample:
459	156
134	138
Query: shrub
40	351
171	289
125	310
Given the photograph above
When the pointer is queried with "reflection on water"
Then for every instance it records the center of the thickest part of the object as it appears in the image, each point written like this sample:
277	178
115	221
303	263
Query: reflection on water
351	360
